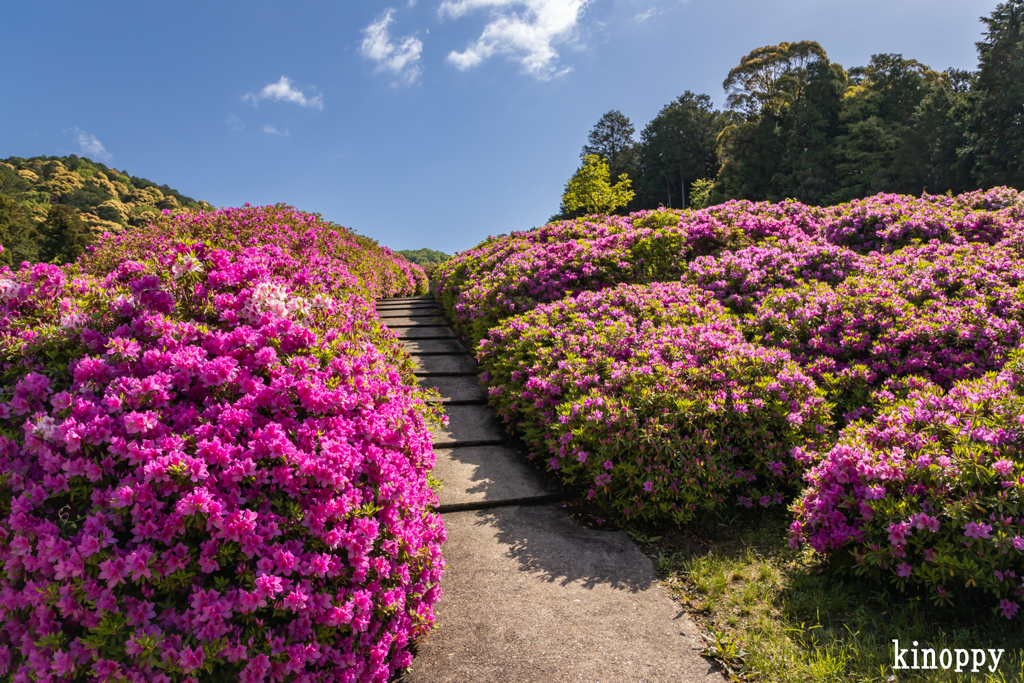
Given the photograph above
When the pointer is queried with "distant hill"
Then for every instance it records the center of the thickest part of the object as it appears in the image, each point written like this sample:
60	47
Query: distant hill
424	257
52	207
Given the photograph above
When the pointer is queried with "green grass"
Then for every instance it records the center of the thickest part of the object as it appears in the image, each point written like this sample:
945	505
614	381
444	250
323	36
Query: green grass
776	615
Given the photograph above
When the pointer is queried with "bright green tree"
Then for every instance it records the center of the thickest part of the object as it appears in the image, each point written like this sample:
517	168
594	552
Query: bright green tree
611	138
701	193
590	188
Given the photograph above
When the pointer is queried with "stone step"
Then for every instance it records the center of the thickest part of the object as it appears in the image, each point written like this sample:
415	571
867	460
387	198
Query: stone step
469	426
420	321
383	314
458	389
433	346
454	364
405	304
403	299
442	332
409	313
531	596
486	474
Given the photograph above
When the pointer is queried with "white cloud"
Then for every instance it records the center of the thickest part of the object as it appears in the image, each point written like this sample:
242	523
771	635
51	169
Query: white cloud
528	35
235	122
269	129
401	59
89	145
285	91
644	16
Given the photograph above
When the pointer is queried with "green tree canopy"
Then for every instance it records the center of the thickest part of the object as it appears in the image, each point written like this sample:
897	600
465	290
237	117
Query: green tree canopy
786	102
800	126
878	112
590	190
423	257
771	77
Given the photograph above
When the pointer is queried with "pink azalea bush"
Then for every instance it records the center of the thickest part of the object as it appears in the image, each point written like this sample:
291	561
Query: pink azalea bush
941	311
501	277
887	222
331	255
213	462
634	389
512	274
505	276
649	399
741	279
931	493
509	275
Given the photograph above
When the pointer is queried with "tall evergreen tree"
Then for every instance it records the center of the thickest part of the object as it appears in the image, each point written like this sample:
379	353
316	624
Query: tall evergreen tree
678	148
611	138
997	129
809	128
936	156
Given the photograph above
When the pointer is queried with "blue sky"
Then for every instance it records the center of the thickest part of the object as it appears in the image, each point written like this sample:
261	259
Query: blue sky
420	123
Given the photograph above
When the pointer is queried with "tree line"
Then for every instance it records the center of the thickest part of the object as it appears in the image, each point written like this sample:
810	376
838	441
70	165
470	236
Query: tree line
800	126
52	208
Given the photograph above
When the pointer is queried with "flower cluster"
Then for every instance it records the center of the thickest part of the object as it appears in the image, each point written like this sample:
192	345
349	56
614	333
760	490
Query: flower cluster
649	397
213	459
887	222
509	275
331	256
502	277
931	493
941	311
741	279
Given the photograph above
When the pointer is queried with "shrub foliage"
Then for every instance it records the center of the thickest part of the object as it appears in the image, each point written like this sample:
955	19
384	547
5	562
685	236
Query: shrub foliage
212	460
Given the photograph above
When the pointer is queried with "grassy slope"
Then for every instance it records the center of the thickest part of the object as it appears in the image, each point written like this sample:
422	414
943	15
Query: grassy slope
770	613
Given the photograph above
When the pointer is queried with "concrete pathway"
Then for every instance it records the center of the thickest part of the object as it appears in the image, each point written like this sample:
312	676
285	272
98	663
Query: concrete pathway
530	595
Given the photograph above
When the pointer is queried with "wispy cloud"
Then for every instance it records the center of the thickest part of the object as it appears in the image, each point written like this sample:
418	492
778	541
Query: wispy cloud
644	16
528	35
401	59
235	122
270	130
89	145
285	91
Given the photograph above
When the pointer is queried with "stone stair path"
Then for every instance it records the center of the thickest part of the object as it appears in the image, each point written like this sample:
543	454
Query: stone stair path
530	595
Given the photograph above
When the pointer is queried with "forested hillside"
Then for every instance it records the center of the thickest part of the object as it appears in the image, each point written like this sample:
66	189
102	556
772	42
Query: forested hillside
798	125
53	207
424	257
